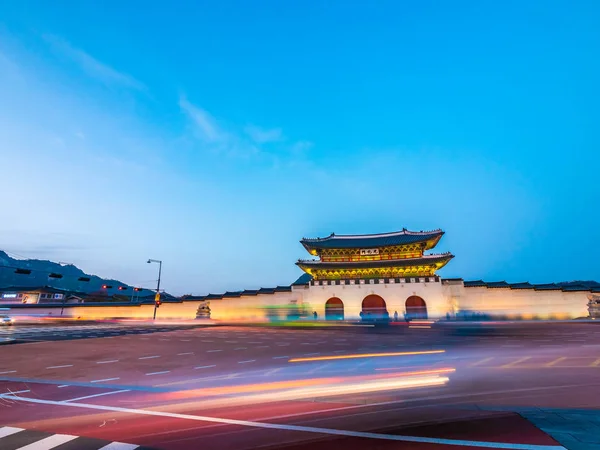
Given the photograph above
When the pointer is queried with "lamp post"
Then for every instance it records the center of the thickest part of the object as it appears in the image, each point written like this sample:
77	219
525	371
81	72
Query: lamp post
157	285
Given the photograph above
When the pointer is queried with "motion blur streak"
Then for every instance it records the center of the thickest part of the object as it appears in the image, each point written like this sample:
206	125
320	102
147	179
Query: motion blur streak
357	388
354	385
422	372
225	390
365	355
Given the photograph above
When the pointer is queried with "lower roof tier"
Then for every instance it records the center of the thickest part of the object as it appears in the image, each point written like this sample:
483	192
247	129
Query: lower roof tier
423	266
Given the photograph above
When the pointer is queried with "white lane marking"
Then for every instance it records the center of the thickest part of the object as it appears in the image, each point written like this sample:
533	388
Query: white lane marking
280	357
306	429
108	361
97	395
119	446
213	351
157	373
263	346
59	367
7	431
255	342
240	348
206	340
8	371
63	386
272	371
185	353
185	340
16	392
150	357
247	361
483	361
310	354
104	379
50	442
205	367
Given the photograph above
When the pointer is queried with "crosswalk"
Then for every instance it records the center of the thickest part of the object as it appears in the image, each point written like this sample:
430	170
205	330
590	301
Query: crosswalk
73	331
14	438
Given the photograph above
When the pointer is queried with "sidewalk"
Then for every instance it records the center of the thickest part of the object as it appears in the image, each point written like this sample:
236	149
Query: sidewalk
575	429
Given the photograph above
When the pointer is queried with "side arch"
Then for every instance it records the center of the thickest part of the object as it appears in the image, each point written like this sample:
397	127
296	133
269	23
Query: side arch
334	309
416	308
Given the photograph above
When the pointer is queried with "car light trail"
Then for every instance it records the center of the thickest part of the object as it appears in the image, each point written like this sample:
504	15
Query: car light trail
422	372
366	355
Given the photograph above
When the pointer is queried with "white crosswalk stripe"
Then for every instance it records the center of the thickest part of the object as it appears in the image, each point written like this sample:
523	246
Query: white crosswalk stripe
49	443
25	332
21	439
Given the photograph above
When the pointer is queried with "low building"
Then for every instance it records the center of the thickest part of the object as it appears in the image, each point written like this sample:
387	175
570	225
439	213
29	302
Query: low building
32	295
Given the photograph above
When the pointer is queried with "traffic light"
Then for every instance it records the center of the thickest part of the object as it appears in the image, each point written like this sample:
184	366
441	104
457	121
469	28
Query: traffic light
157	301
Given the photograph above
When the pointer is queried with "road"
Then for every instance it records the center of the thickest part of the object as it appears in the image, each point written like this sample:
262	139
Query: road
227	387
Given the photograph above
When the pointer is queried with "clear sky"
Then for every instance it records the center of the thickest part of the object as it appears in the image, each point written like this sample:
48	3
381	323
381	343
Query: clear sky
215	134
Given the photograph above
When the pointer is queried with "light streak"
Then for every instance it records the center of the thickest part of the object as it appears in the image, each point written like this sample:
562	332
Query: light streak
366	355
422	372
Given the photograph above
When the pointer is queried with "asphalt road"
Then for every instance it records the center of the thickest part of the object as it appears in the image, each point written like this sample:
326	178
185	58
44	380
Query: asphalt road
241	388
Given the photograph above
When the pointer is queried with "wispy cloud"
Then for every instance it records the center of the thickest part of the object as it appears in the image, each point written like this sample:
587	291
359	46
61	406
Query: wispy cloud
250	141
92	66
263	136
206	125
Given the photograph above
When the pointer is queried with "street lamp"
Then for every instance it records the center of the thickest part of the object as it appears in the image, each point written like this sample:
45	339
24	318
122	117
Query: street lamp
157	298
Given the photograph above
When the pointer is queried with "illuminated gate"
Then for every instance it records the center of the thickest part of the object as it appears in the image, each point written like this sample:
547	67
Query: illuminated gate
334	309
416	308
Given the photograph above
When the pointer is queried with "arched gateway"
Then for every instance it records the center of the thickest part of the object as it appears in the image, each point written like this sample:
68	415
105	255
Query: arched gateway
374	308
334	309
416	308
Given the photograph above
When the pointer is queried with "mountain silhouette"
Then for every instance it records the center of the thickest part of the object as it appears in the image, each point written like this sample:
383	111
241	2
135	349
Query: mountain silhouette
73	278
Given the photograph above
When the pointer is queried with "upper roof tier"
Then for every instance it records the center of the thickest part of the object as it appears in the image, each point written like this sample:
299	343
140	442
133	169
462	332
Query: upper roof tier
353	241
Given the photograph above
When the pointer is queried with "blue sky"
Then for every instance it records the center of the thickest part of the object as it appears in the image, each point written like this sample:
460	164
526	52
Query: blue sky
215	135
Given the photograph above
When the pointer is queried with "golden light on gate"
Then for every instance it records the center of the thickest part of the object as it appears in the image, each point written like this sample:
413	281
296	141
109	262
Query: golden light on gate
366	355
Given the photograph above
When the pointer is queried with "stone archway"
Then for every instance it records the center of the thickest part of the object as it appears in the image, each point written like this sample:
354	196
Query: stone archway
374	308
334	309
416	308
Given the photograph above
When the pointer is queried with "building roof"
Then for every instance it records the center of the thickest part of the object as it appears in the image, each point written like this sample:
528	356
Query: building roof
565	287
424	260
349	241
498	284
303	279
235	294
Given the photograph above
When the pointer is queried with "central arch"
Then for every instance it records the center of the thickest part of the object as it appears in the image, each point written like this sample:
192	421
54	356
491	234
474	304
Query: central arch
416	308
334	309
374	308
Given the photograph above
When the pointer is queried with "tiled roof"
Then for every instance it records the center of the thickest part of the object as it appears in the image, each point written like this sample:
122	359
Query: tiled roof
575	288
372	240
422	261
475	283
305	278
547	287
235	294
527	285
